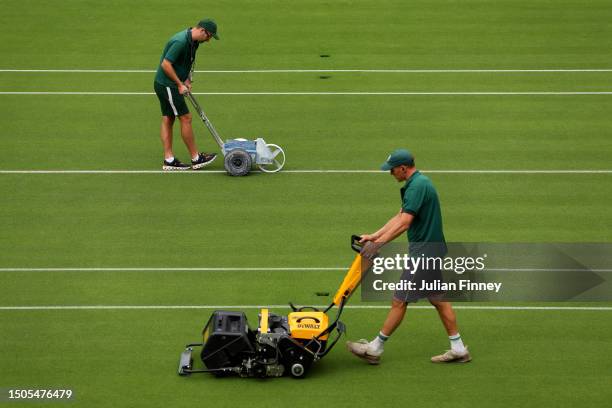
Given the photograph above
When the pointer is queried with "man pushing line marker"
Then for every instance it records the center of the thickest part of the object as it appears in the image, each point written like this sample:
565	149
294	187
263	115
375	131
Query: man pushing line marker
172	80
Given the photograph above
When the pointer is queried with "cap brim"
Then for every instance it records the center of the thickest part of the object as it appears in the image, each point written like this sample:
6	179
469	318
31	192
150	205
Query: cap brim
386	167
216	36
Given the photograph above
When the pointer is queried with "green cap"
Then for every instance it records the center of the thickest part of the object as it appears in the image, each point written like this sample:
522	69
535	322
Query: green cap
210	26
397	158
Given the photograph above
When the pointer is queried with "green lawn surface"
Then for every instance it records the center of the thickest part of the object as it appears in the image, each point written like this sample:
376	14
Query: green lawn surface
228	82
282	220
317	132
129	356
281	34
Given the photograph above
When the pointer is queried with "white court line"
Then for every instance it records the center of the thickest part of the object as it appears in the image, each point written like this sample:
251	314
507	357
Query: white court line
289	71
305	171
544	270
356	93
221	269
264	269
78	93
187	307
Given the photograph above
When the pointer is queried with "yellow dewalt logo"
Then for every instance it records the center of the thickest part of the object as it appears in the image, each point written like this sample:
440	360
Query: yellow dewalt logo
308	326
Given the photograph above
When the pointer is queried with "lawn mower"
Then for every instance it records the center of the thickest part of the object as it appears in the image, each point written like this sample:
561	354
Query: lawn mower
240	154
280	345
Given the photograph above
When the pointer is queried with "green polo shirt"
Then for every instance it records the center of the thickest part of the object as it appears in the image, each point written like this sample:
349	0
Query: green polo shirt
180	51
419	198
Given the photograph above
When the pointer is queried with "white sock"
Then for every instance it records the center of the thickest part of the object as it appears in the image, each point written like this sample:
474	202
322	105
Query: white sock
378	343
196	158
170	159
457	344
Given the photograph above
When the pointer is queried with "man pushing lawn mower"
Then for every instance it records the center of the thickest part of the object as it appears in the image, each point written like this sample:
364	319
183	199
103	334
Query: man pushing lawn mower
172	82
420	215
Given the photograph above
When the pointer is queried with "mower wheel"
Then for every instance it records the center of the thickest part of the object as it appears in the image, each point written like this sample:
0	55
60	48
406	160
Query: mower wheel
238	162
297	370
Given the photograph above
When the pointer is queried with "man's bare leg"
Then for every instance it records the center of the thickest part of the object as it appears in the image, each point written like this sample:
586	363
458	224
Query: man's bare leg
166	135
458	352
187	135
394	317
447	316
371	351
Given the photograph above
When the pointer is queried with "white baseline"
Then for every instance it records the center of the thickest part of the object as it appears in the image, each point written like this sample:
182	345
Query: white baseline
146	269
186	307
314	171
331	93
258	269
299	71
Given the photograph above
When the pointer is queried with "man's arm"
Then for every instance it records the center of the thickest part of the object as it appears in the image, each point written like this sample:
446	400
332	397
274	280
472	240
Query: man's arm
382	230
171	73
397	225
391	230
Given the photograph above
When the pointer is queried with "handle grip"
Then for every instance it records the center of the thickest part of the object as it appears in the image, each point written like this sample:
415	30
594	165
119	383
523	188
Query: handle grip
355	245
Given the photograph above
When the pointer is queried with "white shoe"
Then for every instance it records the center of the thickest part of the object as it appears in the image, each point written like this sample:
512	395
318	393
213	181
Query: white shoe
364	350
452	357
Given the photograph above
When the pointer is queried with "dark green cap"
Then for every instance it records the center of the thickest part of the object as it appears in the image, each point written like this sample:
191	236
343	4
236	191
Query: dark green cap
397	158
210	26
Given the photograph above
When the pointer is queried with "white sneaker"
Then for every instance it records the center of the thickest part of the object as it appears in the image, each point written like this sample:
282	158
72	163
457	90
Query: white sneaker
364	350
452	357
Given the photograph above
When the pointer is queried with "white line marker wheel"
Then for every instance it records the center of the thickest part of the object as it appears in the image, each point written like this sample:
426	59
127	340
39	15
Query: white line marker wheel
279	159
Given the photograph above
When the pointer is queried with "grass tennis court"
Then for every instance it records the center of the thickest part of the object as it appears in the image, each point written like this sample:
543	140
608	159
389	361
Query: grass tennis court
96	243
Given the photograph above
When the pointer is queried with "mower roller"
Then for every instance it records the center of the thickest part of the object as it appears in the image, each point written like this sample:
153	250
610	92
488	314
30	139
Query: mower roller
241	154
280	345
